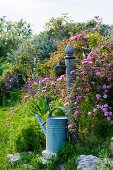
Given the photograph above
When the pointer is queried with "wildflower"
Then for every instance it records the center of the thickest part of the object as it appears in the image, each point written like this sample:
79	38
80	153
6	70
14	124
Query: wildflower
104	87
106	91
109	79
106	105
6	125
67	104
98	74
86	62
76	112
55	52
108	118
67	97
106	113
98	106
109	86
96	17
94	110
109	26
79	97
98	88
7	119
70	126
111	44
89	113
73	72
59	79
110	113
73	38
63	91
44	90
98	96
26	97
46	79
105	96
104	109
94	29
52	83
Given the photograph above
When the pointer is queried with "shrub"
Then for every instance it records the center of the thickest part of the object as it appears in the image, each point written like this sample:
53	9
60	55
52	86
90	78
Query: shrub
28	136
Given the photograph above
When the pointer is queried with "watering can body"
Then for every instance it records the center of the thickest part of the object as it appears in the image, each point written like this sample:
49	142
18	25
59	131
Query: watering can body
56	131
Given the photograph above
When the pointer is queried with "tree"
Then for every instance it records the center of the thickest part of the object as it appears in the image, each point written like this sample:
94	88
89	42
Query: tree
12	34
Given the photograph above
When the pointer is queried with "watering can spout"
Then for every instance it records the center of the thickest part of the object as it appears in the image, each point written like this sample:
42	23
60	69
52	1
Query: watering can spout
41	123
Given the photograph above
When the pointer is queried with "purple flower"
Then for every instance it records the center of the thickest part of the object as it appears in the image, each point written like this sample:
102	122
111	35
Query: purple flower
104	87
98	96
73	72
96	17
106	105
67	104
106	91
106	113
79	97
67	97
98	88
109	79
98	74
104	109
99	106
109	86
110	113
105	96
94	110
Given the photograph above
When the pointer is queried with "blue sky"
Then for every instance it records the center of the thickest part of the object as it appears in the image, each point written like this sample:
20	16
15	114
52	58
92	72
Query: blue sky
38	12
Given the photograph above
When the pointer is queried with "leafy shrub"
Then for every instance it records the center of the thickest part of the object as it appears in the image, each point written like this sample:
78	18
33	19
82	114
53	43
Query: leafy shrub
28	136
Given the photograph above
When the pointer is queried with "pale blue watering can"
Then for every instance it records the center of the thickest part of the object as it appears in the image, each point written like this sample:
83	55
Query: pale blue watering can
55	131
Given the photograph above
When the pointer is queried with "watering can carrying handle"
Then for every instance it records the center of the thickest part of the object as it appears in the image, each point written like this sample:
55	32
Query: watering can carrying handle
50	114
61	108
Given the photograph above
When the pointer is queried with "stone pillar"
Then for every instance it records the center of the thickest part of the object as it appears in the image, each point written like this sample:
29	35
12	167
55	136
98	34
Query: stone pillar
70	65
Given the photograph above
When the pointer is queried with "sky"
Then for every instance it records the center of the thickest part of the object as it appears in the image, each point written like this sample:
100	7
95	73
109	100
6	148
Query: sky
38	12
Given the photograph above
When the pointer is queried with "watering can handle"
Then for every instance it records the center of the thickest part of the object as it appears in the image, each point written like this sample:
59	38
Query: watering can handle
61	108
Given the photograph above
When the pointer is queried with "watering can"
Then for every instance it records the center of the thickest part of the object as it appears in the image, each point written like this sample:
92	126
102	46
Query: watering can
55	131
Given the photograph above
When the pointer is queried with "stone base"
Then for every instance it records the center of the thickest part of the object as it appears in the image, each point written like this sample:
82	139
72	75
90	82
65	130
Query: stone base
48	155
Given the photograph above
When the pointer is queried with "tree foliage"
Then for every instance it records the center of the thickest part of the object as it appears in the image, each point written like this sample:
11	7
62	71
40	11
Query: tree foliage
12	34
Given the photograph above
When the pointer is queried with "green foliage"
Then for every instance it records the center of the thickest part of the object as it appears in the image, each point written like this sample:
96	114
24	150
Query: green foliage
4	66
44	45
12	35
62	157
28	136
24	53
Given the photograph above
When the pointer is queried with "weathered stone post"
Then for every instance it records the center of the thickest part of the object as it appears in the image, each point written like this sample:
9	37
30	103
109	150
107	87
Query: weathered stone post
70	65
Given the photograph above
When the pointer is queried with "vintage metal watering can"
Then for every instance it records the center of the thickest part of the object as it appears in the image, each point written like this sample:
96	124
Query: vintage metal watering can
55	131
